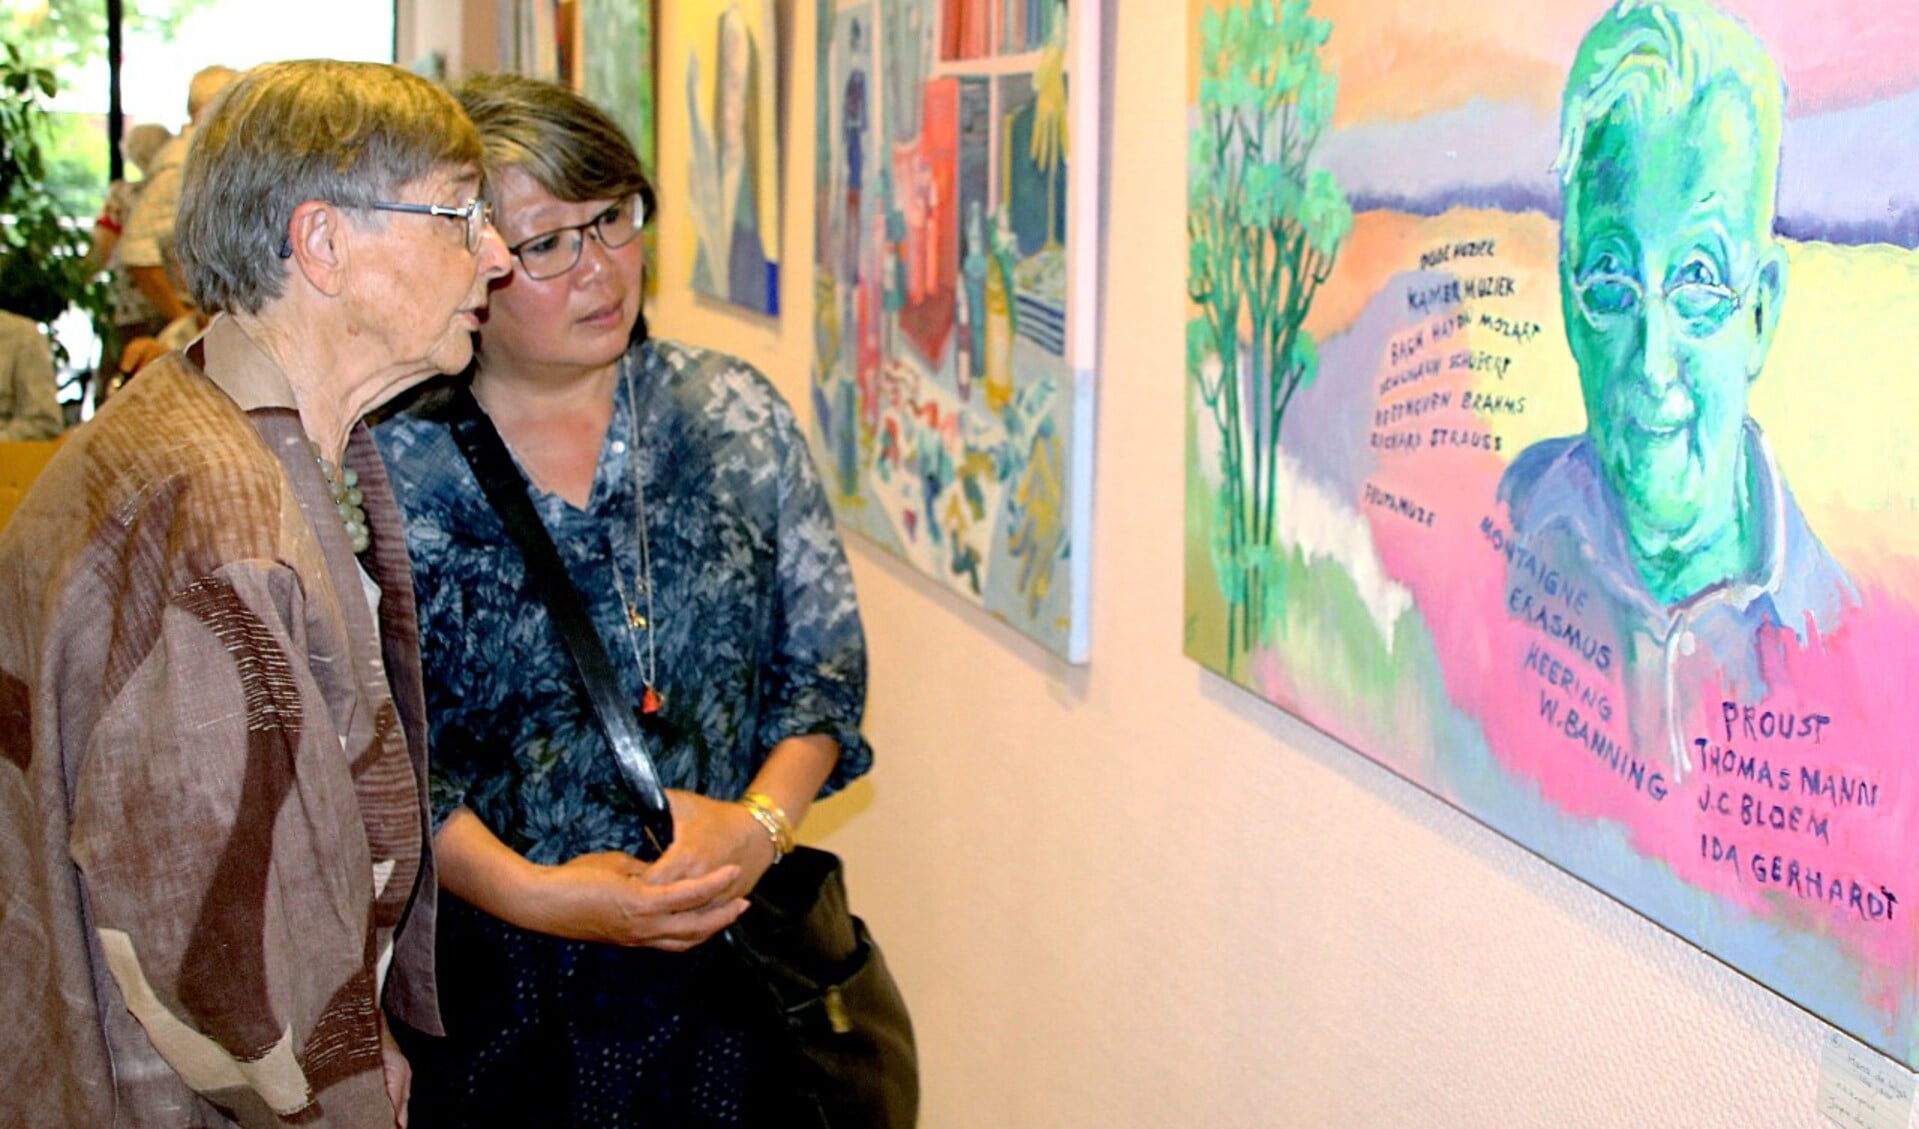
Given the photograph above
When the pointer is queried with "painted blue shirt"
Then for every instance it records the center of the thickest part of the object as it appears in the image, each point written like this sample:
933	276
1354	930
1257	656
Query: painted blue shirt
1576	580
758	636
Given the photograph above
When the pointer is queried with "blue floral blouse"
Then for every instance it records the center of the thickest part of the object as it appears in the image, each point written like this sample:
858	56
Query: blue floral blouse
758	637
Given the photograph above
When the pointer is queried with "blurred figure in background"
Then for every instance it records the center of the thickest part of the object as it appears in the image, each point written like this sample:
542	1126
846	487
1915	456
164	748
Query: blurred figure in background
144	247
134	314
139	148
29	406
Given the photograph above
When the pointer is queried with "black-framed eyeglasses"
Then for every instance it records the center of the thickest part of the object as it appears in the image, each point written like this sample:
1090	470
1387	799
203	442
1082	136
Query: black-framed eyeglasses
476	212
551	254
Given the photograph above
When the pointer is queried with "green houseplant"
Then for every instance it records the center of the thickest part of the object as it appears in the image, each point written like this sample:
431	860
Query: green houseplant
43	270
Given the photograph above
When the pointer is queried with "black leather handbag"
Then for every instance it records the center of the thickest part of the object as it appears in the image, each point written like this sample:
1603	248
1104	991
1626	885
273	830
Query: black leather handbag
851	1059
853	1054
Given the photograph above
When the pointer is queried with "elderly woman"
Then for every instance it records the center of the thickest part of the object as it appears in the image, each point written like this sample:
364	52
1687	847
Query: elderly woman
677	487
212	817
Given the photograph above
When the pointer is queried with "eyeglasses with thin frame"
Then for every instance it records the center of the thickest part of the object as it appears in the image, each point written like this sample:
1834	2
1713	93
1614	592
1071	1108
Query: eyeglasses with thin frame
475	213
551	254
1701	308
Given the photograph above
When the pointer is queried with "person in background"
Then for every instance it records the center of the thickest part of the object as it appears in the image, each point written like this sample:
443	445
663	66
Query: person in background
29	394
134	314
678	489
144	245
212	743
139	147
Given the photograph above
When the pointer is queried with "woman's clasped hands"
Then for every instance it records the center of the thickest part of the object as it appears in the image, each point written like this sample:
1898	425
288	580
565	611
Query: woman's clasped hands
616	898
713	837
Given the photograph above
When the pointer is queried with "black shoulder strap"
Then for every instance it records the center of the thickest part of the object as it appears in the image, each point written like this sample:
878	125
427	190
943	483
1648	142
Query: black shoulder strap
505	488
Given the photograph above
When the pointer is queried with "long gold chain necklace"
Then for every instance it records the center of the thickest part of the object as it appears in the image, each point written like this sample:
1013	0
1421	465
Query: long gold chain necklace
636	622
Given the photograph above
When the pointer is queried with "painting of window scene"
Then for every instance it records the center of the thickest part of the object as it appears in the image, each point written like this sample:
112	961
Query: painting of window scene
955	319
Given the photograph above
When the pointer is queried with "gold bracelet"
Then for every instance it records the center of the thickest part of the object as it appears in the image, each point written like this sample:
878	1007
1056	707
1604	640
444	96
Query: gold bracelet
770	816
773	818
772	829
788	840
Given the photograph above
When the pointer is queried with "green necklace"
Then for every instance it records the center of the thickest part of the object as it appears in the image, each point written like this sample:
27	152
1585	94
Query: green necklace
343	483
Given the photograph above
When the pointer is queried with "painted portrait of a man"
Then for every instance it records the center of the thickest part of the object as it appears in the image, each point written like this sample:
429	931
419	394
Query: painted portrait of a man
1669	507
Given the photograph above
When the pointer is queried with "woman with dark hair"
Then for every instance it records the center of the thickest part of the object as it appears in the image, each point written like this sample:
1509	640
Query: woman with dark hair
677	487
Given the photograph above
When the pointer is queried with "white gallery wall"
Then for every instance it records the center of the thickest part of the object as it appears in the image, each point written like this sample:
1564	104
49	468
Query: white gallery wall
1130	894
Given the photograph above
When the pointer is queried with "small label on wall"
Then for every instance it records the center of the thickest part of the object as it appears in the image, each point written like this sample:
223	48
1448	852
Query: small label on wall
1861	1089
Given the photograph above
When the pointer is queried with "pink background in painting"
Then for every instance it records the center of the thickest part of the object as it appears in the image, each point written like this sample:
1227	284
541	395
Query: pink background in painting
1405	62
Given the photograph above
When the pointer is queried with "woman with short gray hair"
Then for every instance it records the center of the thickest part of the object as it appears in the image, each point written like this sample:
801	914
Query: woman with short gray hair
212	750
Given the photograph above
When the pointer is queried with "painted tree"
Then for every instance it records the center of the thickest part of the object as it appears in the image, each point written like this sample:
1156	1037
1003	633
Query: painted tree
1264	228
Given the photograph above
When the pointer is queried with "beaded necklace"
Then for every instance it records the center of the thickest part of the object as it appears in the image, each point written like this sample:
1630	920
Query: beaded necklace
343	483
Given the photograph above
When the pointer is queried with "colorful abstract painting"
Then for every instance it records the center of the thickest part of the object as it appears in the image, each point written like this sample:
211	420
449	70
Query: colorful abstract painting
955	315
733	175
616	48
1547	416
